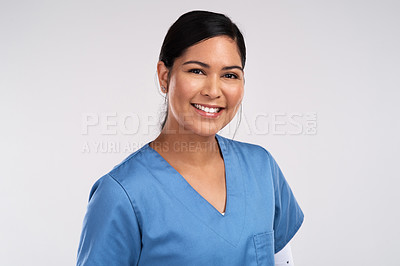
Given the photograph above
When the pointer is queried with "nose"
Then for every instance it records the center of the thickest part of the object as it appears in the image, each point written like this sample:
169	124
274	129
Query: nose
212	87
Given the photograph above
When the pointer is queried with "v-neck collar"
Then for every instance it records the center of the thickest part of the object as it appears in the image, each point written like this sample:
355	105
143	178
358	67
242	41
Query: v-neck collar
228	226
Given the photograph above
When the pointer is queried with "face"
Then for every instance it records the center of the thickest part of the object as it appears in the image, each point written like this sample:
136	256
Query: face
205	87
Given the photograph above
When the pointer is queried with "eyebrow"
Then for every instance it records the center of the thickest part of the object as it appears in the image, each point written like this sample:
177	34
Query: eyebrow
208	66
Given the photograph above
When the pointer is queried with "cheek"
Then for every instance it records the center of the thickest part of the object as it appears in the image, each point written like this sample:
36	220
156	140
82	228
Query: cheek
181	90
235	96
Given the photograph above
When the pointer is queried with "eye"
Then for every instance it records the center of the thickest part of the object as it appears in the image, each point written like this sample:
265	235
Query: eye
196	71
231	76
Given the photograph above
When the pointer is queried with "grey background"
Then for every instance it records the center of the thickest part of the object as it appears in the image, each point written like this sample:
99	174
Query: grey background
60	60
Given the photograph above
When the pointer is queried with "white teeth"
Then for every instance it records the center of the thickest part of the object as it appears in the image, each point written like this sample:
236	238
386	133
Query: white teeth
206	109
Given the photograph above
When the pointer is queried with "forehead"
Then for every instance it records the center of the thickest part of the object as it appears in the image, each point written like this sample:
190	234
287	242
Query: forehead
217	50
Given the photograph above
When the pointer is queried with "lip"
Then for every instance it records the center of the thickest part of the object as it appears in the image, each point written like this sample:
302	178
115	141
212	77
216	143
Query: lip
209	105
208	115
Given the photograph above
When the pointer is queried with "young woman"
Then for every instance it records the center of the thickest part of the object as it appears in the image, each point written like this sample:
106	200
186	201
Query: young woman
191	196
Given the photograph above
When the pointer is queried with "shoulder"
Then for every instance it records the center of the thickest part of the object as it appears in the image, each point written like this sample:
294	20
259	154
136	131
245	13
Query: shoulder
130	174
247	150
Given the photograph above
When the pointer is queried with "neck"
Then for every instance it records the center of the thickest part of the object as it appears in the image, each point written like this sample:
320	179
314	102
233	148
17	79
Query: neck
187	148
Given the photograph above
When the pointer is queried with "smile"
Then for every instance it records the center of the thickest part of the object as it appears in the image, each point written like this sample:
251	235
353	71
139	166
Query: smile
207	109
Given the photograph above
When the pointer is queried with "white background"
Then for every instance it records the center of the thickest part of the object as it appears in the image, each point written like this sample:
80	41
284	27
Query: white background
62	60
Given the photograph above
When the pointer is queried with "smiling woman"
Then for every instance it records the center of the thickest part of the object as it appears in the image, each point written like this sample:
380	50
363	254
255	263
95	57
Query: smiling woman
205	86
191	196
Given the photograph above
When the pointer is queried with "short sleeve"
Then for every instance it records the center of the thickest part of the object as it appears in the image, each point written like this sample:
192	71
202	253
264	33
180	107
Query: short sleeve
288	215
110	233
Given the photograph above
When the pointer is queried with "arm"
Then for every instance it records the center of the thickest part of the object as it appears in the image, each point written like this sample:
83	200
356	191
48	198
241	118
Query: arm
110	233
288	216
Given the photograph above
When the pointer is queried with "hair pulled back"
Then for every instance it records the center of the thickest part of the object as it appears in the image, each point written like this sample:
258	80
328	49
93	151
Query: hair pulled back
196	26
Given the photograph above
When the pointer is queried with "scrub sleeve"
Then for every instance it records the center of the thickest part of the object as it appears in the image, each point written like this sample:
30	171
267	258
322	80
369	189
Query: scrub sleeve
288	214
109	223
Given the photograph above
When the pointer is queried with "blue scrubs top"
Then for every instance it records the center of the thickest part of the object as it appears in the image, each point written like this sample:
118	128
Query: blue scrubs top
143	212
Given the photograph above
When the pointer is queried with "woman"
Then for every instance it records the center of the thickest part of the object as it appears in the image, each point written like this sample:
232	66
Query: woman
191	196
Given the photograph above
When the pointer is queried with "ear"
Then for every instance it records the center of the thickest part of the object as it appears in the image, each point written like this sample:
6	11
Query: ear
162	72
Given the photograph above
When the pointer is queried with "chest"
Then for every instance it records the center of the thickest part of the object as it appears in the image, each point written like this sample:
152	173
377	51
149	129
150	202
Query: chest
211	187
179	219
209	183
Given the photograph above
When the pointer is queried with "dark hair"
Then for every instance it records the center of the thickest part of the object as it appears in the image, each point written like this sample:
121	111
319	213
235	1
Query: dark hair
193	27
